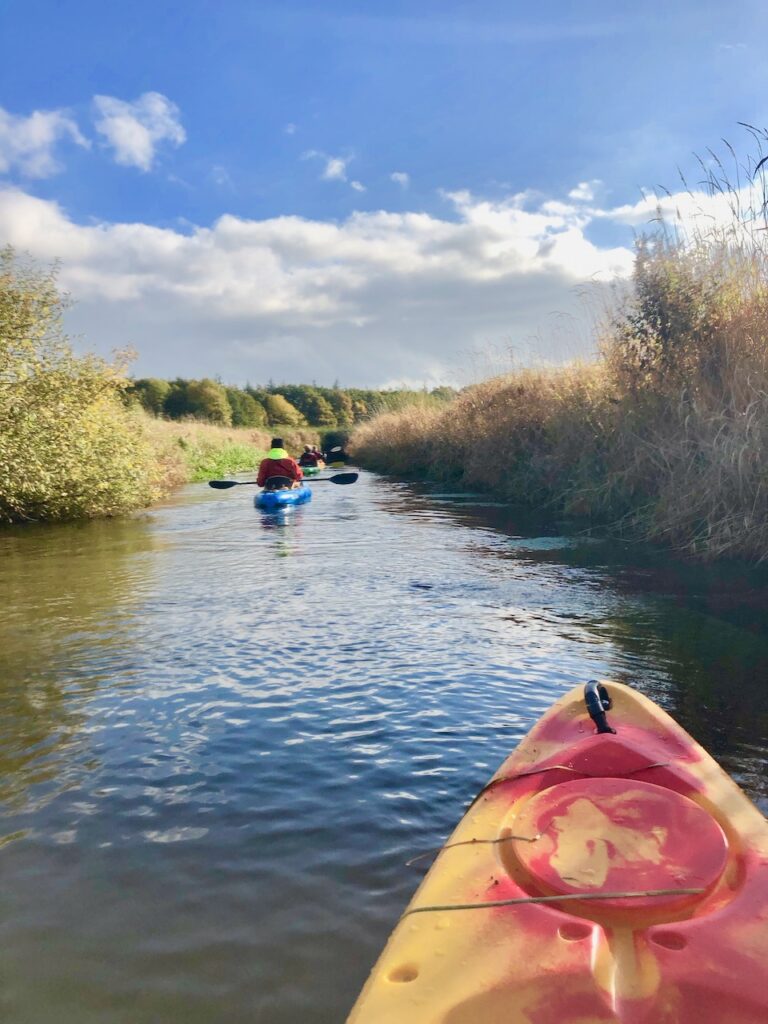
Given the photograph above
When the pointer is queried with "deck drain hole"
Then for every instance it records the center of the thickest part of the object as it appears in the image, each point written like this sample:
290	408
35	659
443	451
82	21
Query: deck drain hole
405	972
670	940
574	931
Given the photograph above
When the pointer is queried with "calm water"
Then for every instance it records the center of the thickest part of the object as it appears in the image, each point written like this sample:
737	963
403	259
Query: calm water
223	734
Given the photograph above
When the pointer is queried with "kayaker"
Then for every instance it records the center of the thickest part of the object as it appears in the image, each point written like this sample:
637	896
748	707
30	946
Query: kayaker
278	470
309	457
318	454
337	456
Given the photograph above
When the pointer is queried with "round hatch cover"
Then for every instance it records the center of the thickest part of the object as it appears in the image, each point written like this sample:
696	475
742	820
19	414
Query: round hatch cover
613	835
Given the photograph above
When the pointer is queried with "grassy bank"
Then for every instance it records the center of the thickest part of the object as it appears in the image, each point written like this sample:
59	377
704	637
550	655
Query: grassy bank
664	437
191	452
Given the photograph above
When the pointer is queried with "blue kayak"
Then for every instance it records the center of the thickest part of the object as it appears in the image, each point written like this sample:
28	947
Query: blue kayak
281	499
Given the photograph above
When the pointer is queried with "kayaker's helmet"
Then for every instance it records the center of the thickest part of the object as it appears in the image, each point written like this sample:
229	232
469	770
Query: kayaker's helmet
276	442
307	448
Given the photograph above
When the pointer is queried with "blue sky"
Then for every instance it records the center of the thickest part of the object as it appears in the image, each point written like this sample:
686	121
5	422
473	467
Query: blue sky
269	111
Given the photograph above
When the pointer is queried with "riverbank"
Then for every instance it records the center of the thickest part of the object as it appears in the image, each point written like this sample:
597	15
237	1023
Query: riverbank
188	452
151	457
73	445
663	438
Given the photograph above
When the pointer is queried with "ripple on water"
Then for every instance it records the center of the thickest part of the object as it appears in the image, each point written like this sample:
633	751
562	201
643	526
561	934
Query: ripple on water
224	734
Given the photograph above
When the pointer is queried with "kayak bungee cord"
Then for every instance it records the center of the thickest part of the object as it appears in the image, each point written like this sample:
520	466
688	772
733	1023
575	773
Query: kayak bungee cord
556	899
564	768
470	842
524	775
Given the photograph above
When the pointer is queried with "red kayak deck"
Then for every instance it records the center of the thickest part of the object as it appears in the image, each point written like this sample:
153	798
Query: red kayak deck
598	878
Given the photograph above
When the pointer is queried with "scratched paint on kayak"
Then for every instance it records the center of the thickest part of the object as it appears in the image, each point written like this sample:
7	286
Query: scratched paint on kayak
662	858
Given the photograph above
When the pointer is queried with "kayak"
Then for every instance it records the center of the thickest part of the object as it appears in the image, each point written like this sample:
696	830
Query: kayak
311	470
609	872
283	498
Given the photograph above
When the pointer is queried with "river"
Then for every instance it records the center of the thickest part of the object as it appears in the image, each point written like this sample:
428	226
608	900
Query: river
223	734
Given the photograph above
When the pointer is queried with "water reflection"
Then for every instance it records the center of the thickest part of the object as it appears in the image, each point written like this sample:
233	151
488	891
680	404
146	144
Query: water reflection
224	733
692	637
71	593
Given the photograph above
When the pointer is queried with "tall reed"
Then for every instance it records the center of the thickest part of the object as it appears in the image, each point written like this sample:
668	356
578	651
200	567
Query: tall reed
665	436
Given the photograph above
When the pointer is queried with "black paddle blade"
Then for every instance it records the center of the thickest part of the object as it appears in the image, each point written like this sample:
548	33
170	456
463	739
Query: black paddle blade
343	478
223	485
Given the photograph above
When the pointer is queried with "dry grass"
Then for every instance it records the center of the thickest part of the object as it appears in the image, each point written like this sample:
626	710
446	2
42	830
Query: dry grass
665	437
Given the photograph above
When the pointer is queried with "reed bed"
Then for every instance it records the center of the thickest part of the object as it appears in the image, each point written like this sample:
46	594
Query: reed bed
664	437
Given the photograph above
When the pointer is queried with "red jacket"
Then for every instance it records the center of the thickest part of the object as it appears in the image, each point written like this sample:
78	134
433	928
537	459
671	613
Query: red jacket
278	467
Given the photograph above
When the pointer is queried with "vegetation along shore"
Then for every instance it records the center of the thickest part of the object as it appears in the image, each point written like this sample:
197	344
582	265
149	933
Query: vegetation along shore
663	438
79	438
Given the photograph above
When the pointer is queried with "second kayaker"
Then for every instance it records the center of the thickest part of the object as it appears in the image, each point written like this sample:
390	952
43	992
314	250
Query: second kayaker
309	457
278	470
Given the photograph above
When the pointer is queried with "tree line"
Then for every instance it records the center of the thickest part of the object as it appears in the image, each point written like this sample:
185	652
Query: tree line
274	405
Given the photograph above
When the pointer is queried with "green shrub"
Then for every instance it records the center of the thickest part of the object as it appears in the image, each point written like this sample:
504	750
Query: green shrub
69	447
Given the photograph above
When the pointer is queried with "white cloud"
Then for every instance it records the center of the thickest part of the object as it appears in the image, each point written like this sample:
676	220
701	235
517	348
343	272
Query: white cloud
585	190
290	128
379	296
335	169
400	178
27	144
135	129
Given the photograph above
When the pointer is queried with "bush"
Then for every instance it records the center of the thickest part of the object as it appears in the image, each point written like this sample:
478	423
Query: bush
68	445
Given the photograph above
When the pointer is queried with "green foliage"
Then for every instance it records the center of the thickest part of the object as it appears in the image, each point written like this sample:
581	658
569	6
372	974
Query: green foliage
175	405
276	405
246	411
68	445
205	461
334	438
207	400
342	406
280	411
319	411
151	394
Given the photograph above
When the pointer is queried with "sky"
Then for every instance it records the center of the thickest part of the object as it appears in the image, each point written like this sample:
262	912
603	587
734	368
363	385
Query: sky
374	193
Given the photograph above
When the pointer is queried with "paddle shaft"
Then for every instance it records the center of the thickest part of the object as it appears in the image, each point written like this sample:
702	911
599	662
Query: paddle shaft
340	478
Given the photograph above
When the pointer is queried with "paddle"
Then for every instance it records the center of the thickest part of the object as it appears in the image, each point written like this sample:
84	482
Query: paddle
340	478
